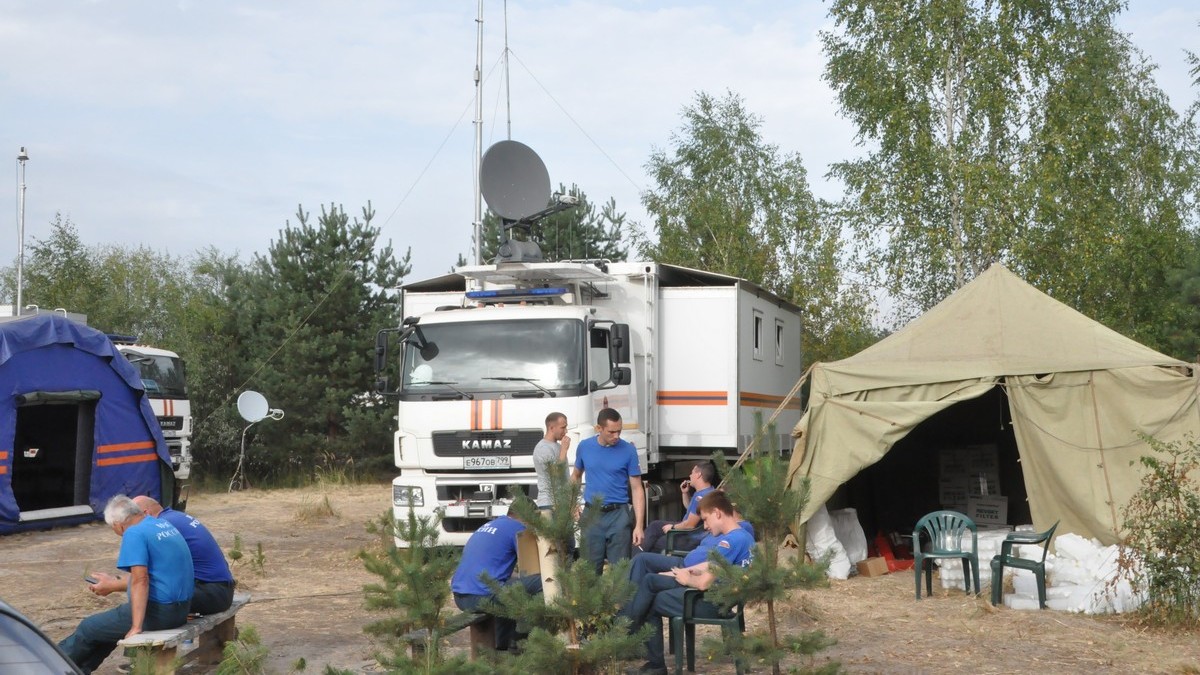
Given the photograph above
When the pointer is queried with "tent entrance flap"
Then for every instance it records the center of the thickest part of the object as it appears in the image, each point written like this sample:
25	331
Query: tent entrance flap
53	444
940	464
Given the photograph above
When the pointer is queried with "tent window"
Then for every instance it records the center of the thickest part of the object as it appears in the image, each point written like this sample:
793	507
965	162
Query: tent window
52	453
758	335
778	342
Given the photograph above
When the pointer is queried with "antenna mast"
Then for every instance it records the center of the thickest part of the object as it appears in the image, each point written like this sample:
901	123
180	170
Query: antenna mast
478	224
507	80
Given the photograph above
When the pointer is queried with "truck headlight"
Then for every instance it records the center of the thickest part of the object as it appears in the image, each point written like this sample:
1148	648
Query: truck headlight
407	495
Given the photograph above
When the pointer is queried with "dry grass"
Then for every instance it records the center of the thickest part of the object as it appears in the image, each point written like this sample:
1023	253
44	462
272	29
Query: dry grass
309	603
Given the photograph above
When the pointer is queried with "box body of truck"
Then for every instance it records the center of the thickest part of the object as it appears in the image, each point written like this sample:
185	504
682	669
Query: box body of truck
487	353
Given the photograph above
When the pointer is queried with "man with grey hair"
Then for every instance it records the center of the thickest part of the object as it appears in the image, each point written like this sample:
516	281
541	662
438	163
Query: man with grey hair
159	585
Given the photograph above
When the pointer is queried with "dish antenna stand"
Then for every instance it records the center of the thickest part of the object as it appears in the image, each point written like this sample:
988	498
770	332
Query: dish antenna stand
253	408
516	186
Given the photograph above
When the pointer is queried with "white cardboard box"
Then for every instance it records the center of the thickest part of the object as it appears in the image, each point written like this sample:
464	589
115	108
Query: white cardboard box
988	510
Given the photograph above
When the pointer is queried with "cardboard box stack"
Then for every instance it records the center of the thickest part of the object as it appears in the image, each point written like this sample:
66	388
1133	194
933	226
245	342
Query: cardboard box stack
969	482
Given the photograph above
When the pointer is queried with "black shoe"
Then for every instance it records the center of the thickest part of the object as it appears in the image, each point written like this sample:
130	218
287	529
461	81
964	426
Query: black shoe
647	669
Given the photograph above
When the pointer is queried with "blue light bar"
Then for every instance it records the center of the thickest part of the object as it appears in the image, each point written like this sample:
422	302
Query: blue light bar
515	293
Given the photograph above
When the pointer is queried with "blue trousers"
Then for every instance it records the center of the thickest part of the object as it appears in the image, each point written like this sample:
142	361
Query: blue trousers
97	635
650	586
652	563
609	536
212	597
506	629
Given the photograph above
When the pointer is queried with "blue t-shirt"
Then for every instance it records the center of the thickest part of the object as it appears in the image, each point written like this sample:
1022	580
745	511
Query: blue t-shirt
491	550
747	526
737	547
695	503
207	558
607	469
159	547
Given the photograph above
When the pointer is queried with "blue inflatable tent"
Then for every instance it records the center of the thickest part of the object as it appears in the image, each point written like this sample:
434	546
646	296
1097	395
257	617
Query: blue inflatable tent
76	427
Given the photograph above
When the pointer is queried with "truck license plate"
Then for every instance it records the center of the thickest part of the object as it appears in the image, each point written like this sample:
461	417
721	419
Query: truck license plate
488	462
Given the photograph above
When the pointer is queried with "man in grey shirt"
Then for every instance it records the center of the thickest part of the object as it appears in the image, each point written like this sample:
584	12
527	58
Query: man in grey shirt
553	447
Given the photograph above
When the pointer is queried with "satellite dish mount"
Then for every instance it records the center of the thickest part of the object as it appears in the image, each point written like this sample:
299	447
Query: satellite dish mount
253	408
516	186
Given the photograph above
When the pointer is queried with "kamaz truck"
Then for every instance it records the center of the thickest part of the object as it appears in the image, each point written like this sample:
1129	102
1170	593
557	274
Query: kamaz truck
484	354
165	381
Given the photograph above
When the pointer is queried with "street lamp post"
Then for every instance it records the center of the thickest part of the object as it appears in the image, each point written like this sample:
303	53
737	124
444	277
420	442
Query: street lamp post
22	157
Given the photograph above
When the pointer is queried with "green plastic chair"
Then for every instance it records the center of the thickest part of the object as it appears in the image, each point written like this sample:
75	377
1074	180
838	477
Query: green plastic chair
683	628
1007	559
946	532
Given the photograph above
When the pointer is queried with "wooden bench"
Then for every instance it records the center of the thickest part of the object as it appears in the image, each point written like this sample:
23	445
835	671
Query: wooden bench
483	633
201	640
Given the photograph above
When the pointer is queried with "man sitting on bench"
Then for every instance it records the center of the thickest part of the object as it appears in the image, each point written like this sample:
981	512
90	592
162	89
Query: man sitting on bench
160	585
491	552
214	580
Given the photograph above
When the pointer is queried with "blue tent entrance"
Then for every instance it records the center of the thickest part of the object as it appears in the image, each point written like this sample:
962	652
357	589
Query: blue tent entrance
76	427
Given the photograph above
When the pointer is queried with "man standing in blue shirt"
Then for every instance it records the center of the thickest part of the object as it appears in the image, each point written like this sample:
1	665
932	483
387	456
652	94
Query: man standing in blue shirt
615	479
491	553
214	581
160	583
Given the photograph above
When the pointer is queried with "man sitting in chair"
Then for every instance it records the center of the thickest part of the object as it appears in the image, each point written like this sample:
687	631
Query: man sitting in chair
701	482
661	595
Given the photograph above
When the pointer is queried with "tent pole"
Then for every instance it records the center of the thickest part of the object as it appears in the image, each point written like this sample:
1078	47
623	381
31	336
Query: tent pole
1112	506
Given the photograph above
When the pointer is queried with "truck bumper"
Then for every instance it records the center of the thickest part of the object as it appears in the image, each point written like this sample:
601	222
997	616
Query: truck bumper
464	503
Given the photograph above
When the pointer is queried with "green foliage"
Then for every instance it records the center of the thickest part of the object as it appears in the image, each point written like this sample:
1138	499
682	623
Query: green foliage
258	560
578	630
245	655
1031	134
236	553
1183	288
414	589
305	316
1161	552
574	234
760	492
144	661
727	201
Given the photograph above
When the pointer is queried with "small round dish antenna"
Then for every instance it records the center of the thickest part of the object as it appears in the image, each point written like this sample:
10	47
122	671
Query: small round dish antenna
514	180
252	406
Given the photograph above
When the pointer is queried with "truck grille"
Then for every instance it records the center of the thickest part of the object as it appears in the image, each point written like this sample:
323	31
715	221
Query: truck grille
513	442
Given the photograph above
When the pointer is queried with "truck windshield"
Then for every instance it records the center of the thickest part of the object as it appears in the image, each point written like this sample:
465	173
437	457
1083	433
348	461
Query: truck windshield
526	357
162	376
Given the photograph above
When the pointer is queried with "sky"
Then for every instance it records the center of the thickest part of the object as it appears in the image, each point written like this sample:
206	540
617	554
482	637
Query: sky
184	124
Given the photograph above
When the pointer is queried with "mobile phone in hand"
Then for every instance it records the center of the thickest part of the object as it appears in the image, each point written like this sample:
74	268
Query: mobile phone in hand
91	580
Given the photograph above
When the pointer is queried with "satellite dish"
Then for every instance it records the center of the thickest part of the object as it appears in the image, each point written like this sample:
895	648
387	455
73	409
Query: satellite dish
514	180
252	406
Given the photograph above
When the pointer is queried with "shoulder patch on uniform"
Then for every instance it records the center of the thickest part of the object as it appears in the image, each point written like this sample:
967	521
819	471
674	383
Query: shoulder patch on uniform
723	544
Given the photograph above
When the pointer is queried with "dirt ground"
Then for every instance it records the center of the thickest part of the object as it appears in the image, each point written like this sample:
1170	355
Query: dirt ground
308	603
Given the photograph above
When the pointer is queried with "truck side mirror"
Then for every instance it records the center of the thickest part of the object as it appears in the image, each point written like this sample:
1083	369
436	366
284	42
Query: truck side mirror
382	380
381	341
621	375
618	347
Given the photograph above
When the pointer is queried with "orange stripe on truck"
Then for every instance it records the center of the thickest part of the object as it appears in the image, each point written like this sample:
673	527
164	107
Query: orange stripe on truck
752	399
692	397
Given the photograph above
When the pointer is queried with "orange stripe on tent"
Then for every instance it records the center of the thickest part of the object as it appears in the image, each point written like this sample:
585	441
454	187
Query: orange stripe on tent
3	470
127	459
118	447
3	454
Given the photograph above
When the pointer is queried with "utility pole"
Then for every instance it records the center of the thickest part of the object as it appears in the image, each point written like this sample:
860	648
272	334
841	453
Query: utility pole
22	157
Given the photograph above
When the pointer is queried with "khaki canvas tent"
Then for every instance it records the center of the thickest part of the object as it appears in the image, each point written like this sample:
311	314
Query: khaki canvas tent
1078	393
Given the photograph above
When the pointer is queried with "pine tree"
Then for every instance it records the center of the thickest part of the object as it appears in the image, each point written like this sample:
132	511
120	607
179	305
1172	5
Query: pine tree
577	630
415	587
308	313
759	490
